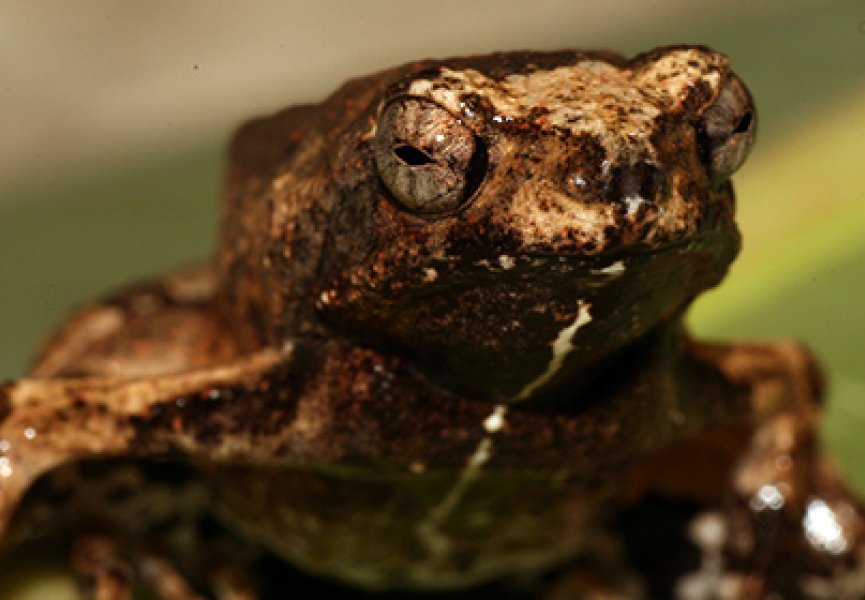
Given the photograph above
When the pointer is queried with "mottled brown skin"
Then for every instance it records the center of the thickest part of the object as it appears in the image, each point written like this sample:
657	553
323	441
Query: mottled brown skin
492	389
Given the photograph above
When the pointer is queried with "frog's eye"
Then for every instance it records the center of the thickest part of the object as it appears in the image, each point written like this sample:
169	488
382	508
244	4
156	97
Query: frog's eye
727	130
428	159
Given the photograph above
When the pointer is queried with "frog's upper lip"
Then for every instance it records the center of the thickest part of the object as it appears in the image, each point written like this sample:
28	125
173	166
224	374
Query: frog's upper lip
614	254
717	233
627	254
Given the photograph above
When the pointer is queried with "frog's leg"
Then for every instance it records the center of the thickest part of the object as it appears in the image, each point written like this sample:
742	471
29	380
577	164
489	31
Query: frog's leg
150	342
788	524
47	423
792	519
755	389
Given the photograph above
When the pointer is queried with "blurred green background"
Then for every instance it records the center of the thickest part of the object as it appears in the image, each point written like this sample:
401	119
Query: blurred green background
115	116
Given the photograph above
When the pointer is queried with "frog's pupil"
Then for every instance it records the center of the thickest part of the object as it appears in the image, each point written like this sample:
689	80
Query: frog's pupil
744	123
412	156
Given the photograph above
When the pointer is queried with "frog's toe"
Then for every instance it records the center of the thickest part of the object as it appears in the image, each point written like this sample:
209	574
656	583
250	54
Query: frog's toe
167	583
105	572
164	580
21	460
230	583
101	570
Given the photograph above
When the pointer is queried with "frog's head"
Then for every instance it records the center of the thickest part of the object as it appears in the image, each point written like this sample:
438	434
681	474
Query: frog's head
513	219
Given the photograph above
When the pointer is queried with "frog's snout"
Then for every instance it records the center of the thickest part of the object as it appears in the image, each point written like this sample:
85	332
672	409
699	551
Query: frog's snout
634	182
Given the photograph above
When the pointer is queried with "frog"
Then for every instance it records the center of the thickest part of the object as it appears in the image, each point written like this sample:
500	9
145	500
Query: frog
440	351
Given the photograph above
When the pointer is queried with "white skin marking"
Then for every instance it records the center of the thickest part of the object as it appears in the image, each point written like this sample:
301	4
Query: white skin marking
822	528
496	420
768	497
633	203
429	530
709	531
614	270
562	346
507	262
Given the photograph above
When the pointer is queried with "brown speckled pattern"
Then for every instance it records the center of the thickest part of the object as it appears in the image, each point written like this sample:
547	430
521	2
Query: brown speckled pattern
498	393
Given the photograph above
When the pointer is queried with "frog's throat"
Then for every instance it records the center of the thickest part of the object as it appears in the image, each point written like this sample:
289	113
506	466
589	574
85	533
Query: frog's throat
561	347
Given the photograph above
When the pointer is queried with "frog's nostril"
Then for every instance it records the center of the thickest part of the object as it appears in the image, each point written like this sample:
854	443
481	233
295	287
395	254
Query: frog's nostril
634	183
